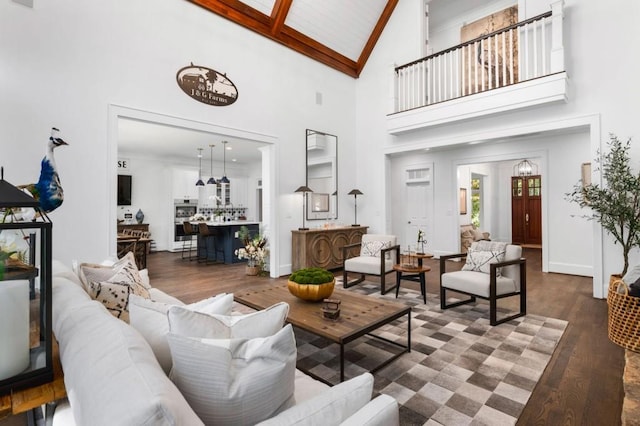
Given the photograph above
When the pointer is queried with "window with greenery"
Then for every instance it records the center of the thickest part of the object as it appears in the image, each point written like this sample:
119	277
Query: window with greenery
475	201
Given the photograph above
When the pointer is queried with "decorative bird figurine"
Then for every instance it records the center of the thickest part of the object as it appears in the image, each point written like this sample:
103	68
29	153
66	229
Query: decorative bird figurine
48	190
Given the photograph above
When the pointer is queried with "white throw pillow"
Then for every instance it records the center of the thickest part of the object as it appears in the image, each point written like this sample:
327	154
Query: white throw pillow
234	381
149	317
257	324
331	407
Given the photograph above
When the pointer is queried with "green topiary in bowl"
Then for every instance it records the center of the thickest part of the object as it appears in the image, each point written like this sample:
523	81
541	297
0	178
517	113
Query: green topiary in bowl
311	276
311	284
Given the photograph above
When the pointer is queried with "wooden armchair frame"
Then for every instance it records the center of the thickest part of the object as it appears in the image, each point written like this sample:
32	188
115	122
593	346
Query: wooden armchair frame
382	274
493	297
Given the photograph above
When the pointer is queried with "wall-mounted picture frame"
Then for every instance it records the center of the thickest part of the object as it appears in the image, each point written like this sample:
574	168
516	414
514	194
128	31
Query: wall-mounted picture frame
463	201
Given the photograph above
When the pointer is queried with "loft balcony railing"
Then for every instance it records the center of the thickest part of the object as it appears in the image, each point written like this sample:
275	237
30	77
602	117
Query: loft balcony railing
524	51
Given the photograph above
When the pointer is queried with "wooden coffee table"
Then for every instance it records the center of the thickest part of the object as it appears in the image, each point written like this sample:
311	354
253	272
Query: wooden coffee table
359	316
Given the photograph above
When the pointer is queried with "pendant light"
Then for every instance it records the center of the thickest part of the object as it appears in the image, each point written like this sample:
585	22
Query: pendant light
211	180
199	182
224	176
525	168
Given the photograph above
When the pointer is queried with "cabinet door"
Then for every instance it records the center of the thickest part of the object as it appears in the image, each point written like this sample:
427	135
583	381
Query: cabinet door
239	195
184	184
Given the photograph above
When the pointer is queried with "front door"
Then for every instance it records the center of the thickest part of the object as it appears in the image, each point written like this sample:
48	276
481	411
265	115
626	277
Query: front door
526	210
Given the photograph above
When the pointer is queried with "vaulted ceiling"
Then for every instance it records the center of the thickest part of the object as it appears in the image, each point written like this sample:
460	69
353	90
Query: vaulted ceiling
338	33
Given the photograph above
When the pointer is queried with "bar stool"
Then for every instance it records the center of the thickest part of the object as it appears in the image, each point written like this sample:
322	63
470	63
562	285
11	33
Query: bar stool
207	238
187	240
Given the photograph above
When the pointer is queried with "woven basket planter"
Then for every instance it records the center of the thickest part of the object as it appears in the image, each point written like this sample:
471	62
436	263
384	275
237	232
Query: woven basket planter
252	270
624	315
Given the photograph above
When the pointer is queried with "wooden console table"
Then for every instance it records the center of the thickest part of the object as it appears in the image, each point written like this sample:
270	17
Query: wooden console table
322	247
135	226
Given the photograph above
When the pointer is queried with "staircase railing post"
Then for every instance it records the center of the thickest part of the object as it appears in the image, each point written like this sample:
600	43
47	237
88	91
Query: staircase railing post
393	90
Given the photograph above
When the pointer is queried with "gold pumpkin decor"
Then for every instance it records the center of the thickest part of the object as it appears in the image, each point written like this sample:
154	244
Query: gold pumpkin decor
311	284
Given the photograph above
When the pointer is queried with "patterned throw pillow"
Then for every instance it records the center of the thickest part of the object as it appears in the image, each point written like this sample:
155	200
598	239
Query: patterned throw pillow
481	254
91	272
113	292
372	248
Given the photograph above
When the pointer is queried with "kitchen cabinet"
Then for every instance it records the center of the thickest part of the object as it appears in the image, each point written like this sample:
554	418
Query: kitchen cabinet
225	241
239	195
184	184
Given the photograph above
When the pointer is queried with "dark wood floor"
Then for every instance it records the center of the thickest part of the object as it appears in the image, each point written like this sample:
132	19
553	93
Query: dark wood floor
582	384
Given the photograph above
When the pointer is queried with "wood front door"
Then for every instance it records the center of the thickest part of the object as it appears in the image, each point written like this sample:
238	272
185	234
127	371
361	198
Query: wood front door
526	209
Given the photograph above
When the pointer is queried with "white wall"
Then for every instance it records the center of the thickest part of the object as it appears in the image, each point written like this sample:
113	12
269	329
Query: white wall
64	63
598	101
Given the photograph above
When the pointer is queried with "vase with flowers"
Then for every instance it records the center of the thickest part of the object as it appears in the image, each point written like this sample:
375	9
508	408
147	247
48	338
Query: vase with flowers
421	241
254	250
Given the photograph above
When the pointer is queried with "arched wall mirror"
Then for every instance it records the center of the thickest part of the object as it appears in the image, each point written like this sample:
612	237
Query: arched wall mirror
322	175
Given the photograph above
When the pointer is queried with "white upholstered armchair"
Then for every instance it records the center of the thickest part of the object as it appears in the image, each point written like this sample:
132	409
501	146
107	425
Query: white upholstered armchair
493	271
378	254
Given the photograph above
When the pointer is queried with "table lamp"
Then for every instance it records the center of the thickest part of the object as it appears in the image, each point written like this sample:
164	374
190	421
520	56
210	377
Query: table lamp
304	189
355	193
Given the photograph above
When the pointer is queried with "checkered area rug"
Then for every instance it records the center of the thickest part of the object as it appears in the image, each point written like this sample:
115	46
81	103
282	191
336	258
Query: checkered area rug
460	371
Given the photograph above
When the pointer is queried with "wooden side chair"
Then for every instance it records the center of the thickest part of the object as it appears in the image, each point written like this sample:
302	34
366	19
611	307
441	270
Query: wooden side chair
378	254
487	275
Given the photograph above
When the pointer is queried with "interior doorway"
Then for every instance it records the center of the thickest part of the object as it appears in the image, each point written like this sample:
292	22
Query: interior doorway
268	178
526	210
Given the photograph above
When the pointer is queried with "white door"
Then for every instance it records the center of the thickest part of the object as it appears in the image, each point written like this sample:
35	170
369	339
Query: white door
419	216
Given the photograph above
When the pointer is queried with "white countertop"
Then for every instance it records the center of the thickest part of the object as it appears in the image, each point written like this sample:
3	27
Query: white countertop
230	223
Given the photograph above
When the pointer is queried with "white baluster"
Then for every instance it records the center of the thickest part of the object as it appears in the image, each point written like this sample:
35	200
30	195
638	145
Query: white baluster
557	47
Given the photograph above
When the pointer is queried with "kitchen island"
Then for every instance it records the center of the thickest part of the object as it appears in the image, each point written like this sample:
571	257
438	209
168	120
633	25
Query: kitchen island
224	242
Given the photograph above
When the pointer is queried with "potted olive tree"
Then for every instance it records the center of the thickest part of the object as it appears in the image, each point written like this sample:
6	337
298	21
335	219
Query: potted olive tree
615	204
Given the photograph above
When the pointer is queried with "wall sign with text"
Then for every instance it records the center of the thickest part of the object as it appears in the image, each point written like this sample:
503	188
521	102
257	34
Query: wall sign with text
206	85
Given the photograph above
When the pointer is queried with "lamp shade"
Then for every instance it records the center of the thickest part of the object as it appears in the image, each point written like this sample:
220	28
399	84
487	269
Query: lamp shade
304	188
355	192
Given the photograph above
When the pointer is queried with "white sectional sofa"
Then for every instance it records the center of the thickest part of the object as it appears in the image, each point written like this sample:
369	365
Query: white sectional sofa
113	378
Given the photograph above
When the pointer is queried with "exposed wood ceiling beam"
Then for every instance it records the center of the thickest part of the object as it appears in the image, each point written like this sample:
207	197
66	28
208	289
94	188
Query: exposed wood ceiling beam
375	34
279	14
274	28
